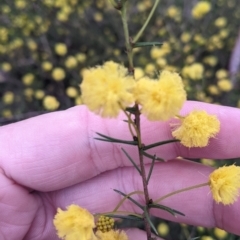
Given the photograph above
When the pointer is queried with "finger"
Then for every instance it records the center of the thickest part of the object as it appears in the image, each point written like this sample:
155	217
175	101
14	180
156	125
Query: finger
57	150
97	195
17	209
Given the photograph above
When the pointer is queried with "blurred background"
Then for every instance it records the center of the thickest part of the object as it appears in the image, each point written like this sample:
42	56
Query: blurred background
46	45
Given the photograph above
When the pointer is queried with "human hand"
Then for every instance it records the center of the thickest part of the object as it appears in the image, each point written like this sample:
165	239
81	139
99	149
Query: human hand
53	161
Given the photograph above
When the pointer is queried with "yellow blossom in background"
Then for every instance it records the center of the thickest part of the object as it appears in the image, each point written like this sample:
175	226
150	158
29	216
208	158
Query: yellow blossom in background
208	162
213	89
47	66
225	85
220	22
8	97
6	113
58	74
160	99
39	94
201	9
71	62
173	12
211	61
150	69
138	73
28	79
185	37
81	57
60	49
6	67
207	238
72	92
224	183
161	62
75	223
32	45
50	103
219	233
107	89
196	129
78	100
112	235
221	73
194	71
163	229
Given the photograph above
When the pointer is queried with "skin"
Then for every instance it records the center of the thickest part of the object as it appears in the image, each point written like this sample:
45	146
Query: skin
53	161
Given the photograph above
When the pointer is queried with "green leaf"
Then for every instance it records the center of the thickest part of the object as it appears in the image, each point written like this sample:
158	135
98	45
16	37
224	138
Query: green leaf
151	169
150	222
115	140
159	144
132	161
170	210
146	44
152	156
131	199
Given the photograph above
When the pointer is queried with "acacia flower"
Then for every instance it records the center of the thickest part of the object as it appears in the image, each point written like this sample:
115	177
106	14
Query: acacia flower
75	223
107	89
160	98
112	235
196	128
225	184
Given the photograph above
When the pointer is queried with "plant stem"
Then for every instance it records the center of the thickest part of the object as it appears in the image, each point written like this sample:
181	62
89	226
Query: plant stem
139	34
143	173
128	43
129	49
181	190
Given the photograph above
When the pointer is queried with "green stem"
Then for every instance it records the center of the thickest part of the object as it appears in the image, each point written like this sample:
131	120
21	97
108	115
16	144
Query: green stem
181	190
128	44
139	34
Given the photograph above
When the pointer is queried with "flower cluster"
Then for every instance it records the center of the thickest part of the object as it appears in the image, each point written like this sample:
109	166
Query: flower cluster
225	184
196	128
108	89
77	223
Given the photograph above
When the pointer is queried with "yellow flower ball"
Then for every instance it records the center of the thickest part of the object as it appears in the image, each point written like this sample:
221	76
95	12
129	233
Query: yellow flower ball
28	79
138	73
194	71
161	62
71	62
78	100
220	22
60	49
160	99
50	103
173	12
28	93
32	45
213	89
225	183
81	57
225	85
6	113
47	66
8	98
201	9
107	89
150	68
74	223
6	67
219	233
20	4
39	94
163	229
196	129
58	74
98	17
72	92
222	73
211	61
185	37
